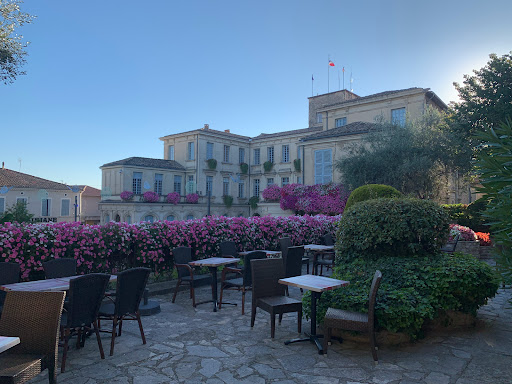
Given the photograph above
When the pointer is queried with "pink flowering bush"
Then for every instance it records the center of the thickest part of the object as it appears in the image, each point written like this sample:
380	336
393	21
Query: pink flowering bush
151	197
173	198
272	193
327	199
192	198
115	246
466	234
126	195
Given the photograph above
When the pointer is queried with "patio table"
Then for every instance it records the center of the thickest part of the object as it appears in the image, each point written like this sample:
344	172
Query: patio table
7	342
317	285
317	250
213	263
48	285
270	254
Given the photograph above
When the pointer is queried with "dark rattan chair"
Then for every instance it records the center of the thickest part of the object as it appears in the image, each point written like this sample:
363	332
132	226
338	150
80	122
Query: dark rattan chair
269	295
293	263
228	249
9	274
327	258
59	268
355	321
183	256
285	243
130	289
85	296
34	317
242	283
450	245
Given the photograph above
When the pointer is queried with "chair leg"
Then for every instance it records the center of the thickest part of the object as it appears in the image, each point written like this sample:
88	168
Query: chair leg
327	339
307	268
272	325
193	294
220	298
176	290
372	346
140	328
280	318
120	326
253	315
65	350
98	338
52	375
243	301
299	321
78	338
114	329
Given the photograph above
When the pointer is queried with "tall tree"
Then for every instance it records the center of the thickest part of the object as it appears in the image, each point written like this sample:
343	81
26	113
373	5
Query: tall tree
12	48
16	213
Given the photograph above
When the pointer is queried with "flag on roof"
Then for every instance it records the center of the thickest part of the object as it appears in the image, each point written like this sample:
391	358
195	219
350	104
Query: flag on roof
331	64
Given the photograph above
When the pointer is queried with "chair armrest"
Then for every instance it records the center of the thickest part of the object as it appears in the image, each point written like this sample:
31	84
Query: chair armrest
190	269
231	269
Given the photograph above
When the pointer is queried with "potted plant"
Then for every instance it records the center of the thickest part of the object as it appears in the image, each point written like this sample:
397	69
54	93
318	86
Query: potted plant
272	193
267	166
253	202
296	164
192	198
212	164
173	198
126	195
150	197
244	167
228	200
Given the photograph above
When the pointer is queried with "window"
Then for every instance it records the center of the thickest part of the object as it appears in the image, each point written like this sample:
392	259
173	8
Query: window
319	117
299	179
159	178
323	166
241	187
171	152
2	205
149	218
286	154
190	217
190	184
241	155
340	122
209	184
170	218
22	200
256	187
270	181
226	154
107	218
299	152
46	207
190	151
398	116
270	154
285	181
128	219
64	207
177	184
257	156
209	151
225	186
137	183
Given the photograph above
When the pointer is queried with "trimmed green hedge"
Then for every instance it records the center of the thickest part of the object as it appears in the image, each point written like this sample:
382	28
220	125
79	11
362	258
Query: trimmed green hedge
412	290
371	191
469	215
391	227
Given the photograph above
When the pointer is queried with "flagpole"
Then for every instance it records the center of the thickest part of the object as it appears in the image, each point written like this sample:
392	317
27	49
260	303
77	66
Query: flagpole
312	80
339	80
343	77
328	71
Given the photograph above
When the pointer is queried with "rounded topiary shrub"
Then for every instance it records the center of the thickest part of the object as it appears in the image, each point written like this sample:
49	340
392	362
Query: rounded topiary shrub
371	191
401	227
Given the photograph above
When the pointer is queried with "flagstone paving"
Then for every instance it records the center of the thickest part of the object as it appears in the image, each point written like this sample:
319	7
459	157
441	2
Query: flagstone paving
187	345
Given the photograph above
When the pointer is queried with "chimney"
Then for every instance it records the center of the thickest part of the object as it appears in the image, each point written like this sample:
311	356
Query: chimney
206	126
3	165
227	131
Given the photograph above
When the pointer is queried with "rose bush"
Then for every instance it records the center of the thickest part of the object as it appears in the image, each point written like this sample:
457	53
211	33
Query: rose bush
110	247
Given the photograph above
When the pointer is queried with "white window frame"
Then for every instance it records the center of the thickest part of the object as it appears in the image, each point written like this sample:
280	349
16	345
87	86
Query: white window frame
241	187
159	180
226	154
209	184
209	151
340	122
270	181
285	181
257	156
151	220
62	213
401	118
171	152
137	183
43	207
256	189
190	151
22	198
177	183
285	153
225	186
270	154
323	166
319	117
241	155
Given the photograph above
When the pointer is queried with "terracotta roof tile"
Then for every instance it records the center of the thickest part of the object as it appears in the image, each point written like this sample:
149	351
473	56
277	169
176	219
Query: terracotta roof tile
356	128
15	179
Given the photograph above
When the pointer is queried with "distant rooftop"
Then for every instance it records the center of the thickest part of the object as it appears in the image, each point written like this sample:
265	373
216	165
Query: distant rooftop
147	162
288	133
9	178
358	127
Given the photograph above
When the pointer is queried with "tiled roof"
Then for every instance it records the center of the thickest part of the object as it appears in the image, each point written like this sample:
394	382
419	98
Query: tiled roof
355	128
15	179
146	162
288	133
375	95
89	191
209	130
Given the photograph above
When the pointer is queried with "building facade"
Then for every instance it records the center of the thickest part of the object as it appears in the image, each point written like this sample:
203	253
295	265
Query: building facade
215	164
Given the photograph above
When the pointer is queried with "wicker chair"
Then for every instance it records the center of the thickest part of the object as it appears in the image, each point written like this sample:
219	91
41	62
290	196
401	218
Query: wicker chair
183	256
327	259
285	243
228	249
85	296
59	268
9	274
293	263
269	295
355	321
34	317
129	291
450	245
242	283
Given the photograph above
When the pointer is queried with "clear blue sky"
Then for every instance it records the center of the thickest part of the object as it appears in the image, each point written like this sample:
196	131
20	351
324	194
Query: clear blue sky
106	79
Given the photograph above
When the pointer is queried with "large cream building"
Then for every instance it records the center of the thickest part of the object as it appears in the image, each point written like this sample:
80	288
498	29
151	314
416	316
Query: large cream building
303	156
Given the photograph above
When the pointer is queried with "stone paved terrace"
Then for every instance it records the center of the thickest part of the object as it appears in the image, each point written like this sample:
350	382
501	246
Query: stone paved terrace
187	345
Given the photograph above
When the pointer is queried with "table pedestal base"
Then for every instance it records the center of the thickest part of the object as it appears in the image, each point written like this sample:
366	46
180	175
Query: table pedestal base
312	338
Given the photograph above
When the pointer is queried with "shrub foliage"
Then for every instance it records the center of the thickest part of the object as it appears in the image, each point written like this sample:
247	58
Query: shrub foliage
371	191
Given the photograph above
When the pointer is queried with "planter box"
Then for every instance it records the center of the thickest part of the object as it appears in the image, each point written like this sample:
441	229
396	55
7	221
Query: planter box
469	247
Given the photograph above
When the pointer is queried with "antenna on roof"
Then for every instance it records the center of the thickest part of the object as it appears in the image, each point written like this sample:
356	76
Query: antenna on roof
351	81
19	161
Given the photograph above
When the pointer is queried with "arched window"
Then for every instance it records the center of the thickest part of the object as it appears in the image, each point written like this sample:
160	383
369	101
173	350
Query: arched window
149	218
128	219
170	218
190	217
107	218
118	218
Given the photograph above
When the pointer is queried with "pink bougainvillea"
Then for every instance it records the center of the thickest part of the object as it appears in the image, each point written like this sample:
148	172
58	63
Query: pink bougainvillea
466	234
173	198
151	197
126	195
192	198
327	199
272	193
105	248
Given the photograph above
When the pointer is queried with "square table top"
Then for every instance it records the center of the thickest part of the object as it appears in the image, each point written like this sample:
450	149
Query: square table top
269	253
48	285
214	262
314	282
7	342
318	247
